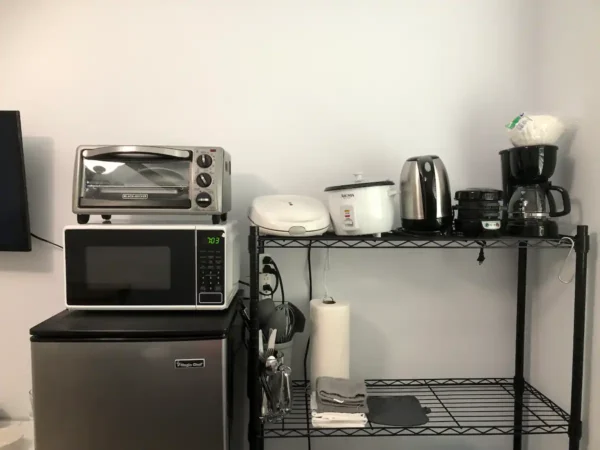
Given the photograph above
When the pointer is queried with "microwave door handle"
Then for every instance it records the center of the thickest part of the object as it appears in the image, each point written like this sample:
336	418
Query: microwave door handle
135	152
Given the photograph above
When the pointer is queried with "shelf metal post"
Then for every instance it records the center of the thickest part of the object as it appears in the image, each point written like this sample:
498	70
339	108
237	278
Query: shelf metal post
582	246
255	429
519	380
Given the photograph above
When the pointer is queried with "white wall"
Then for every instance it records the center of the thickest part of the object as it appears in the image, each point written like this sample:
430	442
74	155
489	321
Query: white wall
566	84
302	94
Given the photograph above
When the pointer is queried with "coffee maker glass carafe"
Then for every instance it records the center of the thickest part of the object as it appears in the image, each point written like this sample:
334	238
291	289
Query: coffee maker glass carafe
536	202
525	173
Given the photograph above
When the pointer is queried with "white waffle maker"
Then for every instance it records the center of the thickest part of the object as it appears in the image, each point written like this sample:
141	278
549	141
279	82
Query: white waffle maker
289	215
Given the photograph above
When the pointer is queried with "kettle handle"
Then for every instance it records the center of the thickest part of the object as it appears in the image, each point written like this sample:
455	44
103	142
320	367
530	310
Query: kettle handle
565	199
427	185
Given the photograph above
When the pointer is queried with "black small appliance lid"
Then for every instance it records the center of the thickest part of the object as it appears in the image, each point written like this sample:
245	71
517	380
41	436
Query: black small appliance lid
539	147
479	194
74	325
359	185
416	158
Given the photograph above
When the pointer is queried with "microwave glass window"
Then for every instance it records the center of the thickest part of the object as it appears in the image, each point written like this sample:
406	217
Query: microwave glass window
135	268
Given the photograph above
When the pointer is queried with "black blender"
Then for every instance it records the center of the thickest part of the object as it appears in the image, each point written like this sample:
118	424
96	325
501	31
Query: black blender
525	181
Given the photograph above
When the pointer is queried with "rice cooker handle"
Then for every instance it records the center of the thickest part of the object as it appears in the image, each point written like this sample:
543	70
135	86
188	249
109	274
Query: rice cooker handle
427	176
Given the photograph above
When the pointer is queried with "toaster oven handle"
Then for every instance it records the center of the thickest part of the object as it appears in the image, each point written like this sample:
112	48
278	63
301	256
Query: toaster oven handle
135	152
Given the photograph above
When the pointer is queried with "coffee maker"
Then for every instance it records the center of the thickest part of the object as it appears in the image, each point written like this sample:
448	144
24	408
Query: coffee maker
527	191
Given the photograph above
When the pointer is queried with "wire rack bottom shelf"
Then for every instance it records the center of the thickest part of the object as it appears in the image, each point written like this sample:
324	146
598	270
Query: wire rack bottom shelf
459	407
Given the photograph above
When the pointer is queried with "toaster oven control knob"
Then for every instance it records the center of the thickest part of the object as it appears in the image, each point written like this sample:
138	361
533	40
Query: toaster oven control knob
204	161
204	180
203	200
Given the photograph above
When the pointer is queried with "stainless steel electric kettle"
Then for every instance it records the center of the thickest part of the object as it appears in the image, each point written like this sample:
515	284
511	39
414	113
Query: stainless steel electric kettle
425	200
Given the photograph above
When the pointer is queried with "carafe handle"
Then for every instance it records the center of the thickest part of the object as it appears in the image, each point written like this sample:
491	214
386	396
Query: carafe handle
565	199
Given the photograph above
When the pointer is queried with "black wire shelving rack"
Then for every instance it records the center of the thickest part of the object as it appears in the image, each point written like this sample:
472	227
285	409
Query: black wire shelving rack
459	406
393	240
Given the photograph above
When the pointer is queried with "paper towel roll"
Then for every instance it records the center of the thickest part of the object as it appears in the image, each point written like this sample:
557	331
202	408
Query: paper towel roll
329	340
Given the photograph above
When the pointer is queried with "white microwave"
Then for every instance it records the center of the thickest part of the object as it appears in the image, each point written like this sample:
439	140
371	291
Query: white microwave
151	267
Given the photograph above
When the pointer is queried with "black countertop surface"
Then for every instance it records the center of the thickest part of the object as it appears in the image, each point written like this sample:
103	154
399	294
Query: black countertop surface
136	324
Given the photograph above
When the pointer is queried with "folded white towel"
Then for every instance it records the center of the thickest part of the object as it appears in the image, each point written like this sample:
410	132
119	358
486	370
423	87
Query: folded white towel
335	420
317	424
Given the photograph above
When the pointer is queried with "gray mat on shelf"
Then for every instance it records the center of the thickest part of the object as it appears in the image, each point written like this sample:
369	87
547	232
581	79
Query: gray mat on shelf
400	411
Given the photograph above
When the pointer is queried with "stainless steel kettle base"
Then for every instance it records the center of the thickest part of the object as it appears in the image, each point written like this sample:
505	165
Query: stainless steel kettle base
440	225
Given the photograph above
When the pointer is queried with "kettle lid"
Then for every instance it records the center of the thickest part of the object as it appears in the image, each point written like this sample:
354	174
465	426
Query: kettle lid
416	158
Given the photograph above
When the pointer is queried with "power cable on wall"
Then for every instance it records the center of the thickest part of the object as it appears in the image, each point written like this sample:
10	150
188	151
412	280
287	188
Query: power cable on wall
46	241
310	296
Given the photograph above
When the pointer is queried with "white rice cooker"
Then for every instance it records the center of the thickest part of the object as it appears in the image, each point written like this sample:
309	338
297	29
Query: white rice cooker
362	207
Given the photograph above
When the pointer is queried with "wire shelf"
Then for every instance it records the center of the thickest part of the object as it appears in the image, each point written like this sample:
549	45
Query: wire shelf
395	240
459	407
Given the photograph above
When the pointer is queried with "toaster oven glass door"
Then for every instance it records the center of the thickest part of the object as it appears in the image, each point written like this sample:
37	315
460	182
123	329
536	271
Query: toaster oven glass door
130	267
136	180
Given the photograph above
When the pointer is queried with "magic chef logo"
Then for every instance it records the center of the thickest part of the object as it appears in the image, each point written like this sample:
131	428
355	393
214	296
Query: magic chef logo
190	363
134	196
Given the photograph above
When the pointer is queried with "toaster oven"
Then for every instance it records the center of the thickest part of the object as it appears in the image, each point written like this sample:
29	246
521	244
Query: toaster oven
154	267
142	179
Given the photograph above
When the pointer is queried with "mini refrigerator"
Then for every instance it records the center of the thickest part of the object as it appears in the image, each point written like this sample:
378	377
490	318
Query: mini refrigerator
155	380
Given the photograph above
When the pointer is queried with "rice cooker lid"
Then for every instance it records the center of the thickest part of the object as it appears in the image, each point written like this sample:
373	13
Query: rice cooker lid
359	184
479	194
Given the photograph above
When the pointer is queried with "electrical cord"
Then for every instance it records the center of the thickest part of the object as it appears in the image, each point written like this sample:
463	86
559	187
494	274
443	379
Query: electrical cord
272	271
310	296
266	294
278	281
562	269
277	278
325	271
310	281
46	241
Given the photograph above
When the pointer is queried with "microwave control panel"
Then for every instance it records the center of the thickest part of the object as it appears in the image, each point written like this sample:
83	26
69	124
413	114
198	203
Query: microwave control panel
210	245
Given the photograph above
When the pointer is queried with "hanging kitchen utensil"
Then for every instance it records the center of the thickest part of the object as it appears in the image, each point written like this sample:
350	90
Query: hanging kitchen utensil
283	320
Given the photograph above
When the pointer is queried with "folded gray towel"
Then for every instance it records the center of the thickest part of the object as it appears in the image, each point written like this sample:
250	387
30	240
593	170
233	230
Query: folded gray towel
339	408
341	394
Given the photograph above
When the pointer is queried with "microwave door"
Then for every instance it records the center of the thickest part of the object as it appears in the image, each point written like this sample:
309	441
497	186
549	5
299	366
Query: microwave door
130	269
